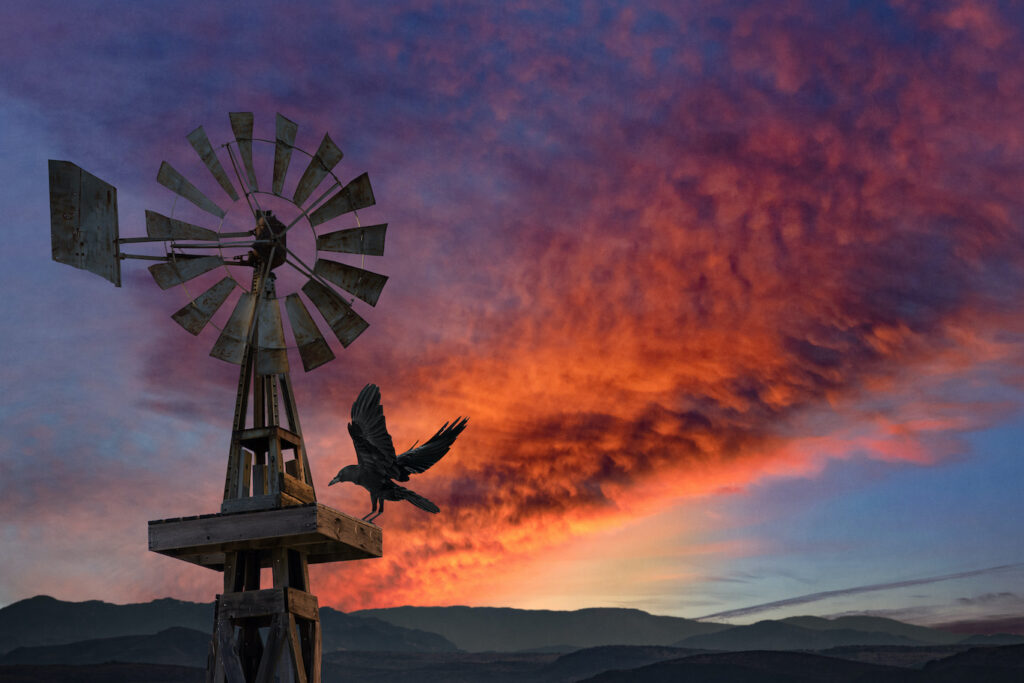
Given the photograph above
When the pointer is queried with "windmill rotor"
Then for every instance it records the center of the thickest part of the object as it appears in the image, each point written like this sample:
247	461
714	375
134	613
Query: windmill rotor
238	229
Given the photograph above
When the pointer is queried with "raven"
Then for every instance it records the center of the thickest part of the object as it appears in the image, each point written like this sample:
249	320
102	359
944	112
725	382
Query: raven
375	452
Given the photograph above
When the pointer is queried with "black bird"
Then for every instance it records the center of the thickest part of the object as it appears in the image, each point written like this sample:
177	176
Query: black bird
378	464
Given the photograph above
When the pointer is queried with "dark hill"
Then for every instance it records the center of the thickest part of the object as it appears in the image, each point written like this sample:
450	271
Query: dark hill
178	646
43	620
500	629
919	634
578	665
346	632
757	667
777	635
112	672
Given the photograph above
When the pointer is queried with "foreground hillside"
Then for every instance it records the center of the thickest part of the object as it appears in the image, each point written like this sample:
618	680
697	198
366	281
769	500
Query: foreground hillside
619	664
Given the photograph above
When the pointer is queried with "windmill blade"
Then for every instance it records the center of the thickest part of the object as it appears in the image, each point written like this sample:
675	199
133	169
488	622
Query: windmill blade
163	227
344	322
272	351
327	157
356	195
313	348
197	313
201	144
362	283
231	343
367	240
83	221
283	145
179	185
182	268
241	126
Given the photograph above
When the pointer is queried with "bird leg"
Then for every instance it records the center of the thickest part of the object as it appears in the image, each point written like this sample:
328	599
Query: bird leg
381	512
374	499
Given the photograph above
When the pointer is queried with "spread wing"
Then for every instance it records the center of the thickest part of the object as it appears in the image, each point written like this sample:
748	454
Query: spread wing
374	448
422	458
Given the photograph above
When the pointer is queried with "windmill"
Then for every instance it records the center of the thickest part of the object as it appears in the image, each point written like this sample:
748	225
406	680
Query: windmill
269	516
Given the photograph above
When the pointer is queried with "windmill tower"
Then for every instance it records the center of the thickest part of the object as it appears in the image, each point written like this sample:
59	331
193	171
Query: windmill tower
269	516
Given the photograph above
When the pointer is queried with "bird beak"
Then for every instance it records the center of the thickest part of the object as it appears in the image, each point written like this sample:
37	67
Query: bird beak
335	480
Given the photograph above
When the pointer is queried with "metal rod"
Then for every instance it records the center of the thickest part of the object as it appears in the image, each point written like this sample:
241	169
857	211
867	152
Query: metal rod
218	245
312	206
144	258
243	185
306	270
127	240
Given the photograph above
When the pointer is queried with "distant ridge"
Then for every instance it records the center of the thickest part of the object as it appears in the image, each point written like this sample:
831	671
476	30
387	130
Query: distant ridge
503	629
920	634
43	620
779	635
46	621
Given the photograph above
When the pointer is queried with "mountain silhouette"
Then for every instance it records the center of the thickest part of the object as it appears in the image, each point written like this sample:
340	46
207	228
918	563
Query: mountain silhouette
502	629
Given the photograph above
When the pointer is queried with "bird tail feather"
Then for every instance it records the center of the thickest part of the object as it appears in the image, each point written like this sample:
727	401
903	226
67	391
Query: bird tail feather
417	500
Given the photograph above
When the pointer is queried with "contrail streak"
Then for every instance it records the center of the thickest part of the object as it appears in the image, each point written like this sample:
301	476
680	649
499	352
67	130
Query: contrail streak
814	597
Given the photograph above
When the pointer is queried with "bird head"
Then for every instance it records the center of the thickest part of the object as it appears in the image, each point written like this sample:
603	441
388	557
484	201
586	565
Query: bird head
348	473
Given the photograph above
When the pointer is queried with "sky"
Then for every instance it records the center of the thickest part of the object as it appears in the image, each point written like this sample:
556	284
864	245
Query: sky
730	292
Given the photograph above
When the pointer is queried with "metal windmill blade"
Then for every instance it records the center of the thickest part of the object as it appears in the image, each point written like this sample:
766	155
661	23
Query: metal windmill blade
85	234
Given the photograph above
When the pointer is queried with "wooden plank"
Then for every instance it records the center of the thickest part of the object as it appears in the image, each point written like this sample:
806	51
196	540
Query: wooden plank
228	653
303	604
246	474
311	648
268	501
327	535
233	581
272	651
279	562
296	650
246	604
291	467
275	465
231	476
256	438
296	488
259	479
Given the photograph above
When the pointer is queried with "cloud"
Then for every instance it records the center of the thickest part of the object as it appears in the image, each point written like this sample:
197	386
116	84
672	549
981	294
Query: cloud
815	597
655	253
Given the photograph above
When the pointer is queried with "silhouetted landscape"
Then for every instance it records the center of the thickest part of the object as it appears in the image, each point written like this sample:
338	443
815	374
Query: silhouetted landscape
43	639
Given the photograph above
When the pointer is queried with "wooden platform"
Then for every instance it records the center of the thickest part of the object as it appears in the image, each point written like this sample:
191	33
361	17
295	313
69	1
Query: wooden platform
325	534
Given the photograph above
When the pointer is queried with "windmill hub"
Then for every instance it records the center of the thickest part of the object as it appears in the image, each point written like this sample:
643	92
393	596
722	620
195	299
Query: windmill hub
271	239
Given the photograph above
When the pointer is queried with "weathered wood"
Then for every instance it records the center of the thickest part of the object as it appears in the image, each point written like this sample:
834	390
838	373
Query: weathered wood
279	560
325	534
303	604
259	478
234	580
256	438
296	651
272	651
296	488
275	465
231	476
267	501
268	602
246	474
227	650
